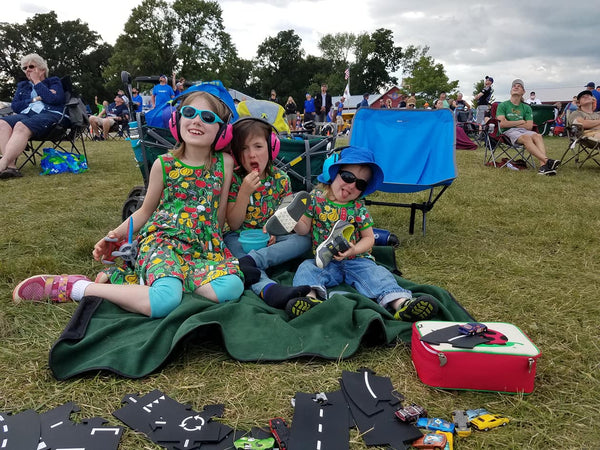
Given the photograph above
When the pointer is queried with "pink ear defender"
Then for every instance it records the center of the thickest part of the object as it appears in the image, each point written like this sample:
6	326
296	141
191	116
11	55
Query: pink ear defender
221	141
275	144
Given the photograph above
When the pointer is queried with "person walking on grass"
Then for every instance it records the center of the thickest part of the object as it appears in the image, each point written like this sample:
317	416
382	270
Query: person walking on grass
180	244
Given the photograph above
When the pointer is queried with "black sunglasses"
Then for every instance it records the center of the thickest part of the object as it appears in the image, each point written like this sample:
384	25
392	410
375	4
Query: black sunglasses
349	177
30	66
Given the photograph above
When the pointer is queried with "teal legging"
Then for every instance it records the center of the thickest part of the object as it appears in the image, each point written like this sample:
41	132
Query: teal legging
166	293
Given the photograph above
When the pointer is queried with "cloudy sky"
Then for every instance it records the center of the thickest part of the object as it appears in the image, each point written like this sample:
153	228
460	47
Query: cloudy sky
550	44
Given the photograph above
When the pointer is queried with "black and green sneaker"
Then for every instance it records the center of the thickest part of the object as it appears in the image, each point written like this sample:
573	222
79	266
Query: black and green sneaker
298	306
414	309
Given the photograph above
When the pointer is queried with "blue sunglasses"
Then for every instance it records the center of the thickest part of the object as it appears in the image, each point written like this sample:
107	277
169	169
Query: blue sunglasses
209	117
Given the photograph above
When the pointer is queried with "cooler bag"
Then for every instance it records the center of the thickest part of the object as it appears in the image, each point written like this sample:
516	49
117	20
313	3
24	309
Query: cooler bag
503	359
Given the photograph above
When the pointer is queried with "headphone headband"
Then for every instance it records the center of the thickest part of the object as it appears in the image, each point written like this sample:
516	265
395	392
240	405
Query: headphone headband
274	143
224	135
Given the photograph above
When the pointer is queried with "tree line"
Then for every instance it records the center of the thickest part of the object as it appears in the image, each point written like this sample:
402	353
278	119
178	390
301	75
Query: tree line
187	37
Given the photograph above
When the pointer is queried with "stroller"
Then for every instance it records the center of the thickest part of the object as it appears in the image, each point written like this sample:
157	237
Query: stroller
301	155
150	136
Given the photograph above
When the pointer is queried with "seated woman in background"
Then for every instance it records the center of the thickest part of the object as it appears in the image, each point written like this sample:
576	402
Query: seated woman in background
38	104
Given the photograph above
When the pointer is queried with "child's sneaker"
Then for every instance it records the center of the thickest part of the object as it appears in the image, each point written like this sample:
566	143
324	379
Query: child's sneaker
56	288
287	216
298	306
337	242
421	308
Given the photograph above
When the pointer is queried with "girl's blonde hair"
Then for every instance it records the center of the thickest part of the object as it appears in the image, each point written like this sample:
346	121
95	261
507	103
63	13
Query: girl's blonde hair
216	106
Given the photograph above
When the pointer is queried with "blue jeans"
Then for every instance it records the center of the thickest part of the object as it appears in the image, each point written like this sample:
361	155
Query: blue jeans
363	274
286	247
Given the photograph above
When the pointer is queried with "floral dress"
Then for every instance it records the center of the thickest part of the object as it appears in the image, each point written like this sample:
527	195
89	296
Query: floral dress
325	213
182	238
265	200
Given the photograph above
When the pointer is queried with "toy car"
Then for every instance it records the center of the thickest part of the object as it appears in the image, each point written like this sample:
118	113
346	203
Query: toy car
461	423
435	424
472	328
488	421
250	443
472	413
411	413
430	441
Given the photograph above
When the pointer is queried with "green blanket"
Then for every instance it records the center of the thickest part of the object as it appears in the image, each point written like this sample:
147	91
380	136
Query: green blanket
102	336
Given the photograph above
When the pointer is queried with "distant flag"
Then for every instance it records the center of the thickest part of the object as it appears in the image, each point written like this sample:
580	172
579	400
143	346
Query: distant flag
347	73
346	94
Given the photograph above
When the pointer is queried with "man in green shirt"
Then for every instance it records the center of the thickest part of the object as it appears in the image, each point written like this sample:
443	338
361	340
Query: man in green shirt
516	122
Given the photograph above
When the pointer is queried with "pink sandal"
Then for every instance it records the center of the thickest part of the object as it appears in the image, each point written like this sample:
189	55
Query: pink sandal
56	288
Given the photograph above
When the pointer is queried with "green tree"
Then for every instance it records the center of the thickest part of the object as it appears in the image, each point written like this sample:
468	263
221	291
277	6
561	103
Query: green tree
335	49
279	65
376	59
69	47
428	79
147	45
205	49
186	37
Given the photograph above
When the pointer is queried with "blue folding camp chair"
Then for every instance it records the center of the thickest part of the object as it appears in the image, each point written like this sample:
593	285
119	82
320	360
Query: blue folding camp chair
416	150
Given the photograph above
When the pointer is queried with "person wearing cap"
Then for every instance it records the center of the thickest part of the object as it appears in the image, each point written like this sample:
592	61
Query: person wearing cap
137	99
161	93
483	99
178	86
365	101
515	119
342	233
591	86
116	112
586	116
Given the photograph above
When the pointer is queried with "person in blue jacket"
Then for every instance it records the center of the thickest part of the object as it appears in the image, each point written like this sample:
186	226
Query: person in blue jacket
38	104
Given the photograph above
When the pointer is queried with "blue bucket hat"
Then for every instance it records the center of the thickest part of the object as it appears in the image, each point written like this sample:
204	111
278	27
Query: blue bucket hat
217	89
353	155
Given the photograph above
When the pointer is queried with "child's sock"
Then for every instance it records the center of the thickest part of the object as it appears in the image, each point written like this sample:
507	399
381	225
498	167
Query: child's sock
250	271
78	289
277	296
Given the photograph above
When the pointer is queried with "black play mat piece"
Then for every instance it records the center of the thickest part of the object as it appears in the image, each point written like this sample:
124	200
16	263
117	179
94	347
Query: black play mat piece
54	430
58	431
175	425
451	335
320	423
20	431
372	401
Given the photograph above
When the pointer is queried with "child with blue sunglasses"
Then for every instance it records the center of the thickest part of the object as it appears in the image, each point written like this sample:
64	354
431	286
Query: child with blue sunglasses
180	246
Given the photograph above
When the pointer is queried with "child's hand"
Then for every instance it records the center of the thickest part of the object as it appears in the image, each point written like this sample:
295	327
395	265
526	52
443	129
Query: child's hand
251	183
272	240
104	247
347	254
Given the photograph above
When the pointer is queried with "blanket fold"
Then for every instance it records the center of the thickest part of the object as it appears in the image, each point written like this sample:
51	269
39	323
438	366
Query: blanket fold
102	336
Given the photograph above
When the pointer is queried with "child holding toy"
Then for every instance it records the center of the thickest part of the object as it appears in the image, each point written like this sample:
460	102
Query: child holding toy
343	237
257	192
180	242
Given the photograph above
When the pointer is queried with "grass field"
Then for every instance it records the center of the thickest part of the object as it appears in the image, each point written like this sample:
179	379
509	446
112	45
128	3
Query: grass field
510	246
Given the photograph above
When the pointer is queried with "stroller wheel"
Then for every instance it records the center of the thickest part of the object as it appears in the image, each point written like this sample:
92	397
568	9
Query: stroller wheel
132	204
136	191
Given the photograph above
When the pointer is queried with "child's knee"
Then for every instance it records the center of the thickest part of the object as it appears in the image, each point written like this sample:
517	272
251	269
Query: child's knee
227	287
165	295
